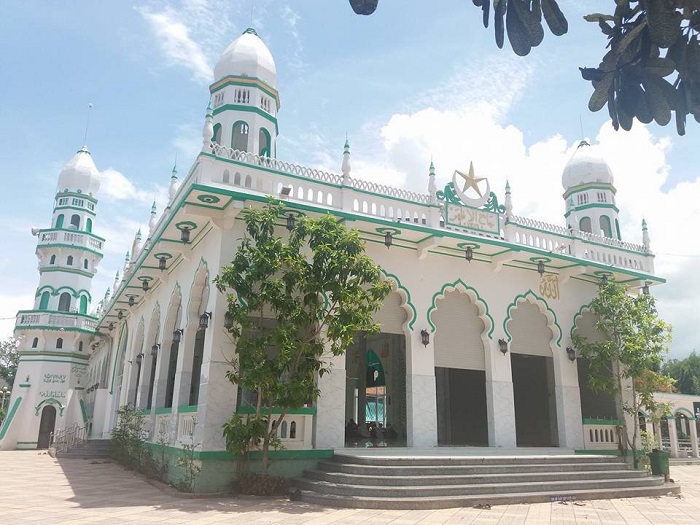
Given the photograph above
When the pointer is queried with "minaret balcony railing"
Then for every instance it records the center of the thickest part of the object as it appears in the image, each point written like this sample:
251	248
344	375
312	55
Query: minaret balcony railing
36	319
74	238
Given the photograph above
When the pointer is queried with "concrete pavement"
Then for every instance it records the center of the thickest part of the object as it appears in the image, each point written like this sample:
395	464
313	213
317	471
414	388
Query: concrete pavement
35	488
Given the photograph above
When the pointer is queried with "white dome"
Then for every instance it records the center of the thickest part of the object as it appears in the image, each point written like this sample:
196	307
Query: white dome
247	56
80	174
586	166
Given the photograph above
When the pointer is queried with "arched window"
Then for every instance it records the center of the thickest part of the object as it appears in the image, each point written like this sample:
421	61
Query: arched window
75	221
88	225
264	147
52	260
59	221
83	304
59	342
217	134
64	302
226	178
617	229
44	303
239	136
606	226
85	264
69	260
585	225
80	346
35	342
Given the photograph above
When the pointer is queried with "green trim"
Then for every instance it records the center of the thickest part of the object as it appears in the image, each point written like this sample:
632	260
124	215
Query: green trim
457	285
594	421
577	315
27	385
9	417
160	411
248	82
248	109
590	186
497	216
606	205
409	301
26	442
537	299
76	208
72	230
44	245
83	412
54	328
205	455
185	409
86	316
86	196
685	412
594	452
277	410
51	401
64	269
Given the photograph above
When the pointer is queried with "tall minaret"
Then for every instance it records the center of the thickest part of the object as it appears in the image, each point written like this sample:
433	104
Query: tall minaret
56	333
244	97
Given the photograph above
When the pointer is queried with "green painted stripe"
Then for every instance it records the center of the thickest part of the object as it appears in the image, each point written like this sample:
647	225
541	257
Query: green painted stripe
164	411
230	81
277	410
205	455
76	208
249	109
593	421
590	186
85	196
43	245
9	417
83	412
592	452
184	409
26	442
82	273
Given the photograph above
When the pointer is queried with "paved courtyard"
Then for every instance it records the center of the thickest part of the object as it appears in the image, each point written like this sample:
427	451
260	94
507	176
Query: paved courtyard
35	488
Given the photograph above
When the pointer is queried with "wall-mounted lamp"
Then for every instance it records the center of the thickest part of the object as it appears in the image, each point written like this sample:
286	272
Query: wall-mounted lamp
154	349
388	239
425	337
285	191
503	346
540	267
291	221
185	234
120	315
144	285
469	254
177	335
110	327
139	358
645	289
571	353
131	300
228	320
604	278
161	263
204	320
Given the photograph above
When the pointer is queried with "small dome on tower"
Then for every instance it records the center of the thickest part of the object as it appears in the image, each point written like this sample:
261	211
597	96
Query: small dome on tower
586	166
247	56
80	174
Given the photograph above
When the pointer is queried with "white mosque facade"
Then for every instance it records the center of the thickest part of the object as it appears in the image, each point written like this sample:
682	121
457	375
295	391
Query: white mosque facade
475	343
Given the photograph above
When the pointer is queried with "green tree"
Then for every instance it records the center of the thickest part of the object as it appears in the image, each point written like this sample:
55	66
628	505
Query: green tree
294	302
625	363
648	40
686	373
9	359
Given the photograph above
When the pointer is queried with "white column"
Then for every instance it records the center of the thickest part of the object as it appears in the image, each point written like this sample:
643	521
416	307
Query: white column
673	434
421	406
330	407
694	437
658	435
500	404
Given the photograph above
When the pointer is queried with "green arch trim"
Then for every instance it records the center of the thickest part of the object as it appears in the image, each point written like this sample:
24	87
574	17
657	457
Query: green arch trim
51	401
460	285
685	412
527	296
123	336
578	315
408	301
202	264
45	288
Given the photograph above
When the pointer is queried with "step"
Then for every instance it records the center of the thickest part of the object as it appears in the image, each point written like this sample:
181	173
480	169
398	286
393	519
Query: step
416	461
444	502
467	479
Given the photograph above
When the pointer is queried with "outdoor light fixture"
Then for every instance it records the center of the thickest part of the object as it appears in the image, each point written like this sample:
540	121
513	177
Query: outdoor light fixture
571	353
204	320
425	337
110	327
469	254
177	335
540	267
645	289
503	346
291	220
285	191
154	349
228	320
388	239
604	279
185	234
144	285
120	315
139	358
161	263
131	300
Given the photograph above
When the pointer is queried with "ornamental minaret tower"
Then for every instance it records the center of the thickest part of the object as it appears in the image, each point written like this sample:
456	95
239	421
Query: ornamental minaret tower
244	97
56	334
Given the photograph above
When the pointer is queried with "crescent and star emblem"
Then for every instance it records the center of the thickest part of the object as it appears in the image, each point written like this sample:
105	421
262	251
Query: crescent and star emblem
471	182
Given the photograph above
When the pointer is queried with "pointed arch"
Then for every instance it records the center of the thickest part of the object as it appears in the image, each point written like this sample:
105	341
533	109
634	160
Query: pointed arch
532	298
578	315
239	135
119	355
265	143
460	286
199	290
52	401
407	303
216	137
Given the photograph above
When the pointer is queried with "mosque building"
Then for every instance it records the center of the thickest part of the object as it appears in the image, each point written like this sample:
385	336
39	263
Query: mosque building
475	344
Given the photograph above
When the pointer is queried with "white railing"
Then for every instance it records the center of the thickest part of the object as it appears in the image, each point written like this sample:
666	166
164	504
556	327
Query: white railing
161	427
295	431
77	239
53	319
600	435
66	439
185	427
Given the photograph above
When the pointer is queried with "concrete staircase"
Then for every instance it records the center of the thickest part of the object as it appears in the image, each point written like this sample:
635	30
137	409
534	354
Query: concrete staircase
394	482
91	449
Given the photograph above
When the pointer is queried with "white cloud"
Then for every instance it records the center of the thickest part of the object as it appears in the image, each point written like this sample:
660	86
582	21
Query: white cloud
115	186
9	306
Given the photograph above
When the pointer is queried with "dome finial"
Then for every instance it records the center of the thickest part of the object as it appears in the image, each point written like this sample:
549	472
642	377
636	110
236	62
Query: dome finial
345	167
432	186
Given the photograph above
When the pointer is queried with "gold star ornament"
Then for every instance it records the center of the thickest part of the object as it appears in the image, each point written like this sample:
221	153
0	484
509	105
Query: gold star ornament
471	180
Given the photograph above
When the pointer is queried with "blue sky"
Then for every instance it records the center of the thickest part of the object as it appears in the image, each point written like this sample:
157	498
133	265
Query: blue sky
406	84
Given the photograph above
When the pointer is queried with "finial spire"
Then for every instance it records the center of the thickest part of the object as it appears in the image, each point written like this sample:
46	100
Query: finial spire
208	130
432	185
509	202
87	125
646	241
345	168
152	222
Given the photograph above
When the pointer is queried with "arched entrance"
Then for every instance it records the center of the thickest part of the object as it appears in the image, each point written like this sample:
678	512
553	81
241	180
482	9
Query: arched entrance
375	395
46	426
532	368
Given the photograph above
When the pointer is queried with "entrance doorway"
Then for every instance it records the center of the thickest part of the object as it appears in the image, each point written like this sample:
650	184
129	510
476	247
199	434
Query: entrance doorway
535	408
461	407
375	394
46	426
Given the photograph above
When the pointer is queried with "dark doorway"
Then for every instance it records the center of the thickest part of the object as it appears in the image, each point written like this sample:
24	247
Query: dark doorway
535	408
46	426
197	367
461	407
594	405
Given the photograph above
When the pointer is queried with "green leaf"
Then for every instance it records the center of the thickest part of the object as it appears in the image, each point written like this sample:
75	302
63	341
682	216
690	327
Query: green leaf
499	11
659	67
554	17
599	17
601	93
664	22
517	32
